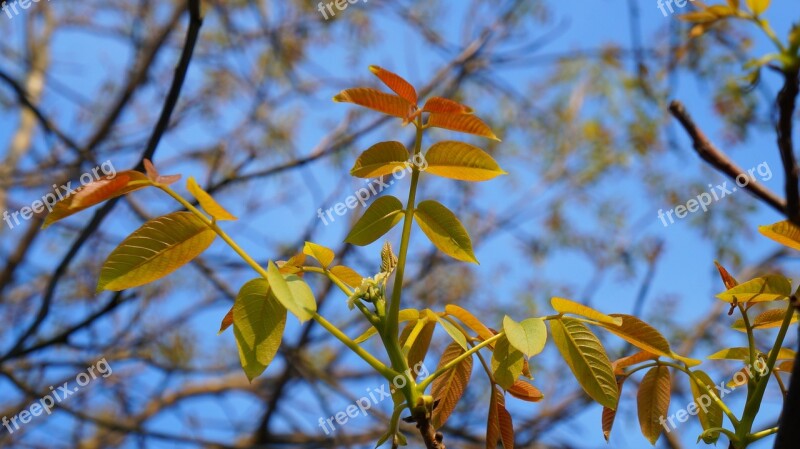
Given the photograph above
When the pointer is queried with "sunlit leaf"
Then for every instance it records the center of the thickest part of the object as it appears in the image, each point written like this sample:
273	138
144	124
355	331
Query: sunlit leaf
377	100
640	334
444	230
465	123
322	254
95	193
453	331
461	161
506	426
562	305
770	319
507	363
227	321
469	320
528	336
653	401
395	82
609	415
295	295
445	106
758	6
767	288
785	367
403	316
493	432
419	349
448	388
381	159
708	411
731	354
155	250
381	216
348	275
699	17
783	232
207	202
525	391
642	356
258	324
727	279
587	359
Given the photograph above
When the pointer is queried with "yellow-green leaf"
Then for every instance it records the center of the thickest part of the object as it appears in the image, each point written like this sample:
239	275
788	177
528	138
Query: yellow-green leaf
458	160
258	324
348	275
377	100
769	319
731	354
507	363
208	203
783	232
380	218
465	123
767	288
322	254
562	305
448	388
758	6
528	336
295	295
653	401
587	359
640	334
453	331
708	411
444	230
155	250
95	193
381	159
403	316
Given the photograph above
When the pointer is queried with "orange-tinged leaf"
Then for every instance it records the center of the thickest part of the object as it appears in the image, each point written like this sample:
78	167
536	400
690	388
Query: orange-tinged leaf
653	401
767	288
377	100
525	391
785	367
493	433
95	193
381	159
610	414
469	320
419	349
562	305
157	178
155	250
461	161
348	275
448	388
783	232
226	321
445	106
642	356
727	279
640	334
465	123
395	82
506	427
207	202
699	17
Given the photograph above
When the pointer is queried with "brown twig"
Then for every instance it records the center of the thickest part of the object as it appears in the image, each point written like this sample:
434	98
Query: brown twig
717	159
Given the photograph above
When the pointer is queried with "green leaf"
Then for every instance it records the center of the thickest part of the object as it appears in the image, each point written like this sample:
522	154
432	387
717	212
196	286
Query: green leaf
653	401
529	336
461	161
258	324
587	359
708	411
507	363
95	193
380	160
293	293
322	254
767	288
207	202
380	218
155	250
444	231
453	331
562	305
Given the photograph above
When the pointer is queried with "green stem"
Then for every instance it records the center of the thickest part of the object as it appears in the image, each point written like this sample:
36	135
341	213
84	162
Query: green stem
447	367
759	435
379	366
